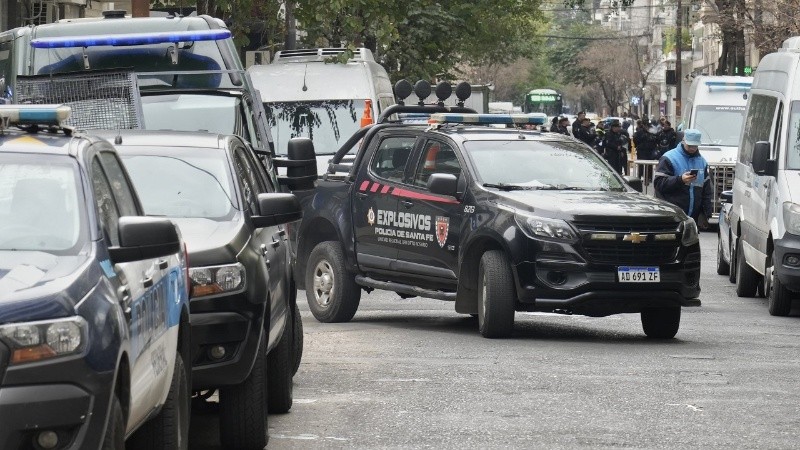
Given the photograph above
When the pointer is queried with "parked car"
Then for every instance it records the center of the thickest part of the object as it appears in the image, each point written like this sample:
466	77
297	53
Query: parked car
243	298
94	311
725	252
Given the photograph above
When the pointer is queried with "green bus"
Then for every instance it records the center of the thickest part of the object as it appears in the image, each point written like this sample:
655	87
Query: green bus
546	101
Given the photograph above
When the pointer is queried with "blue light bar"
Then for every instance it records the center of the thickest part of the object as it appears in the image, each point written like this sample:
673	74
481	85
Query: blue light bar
34	114
730	85
130	39
530	119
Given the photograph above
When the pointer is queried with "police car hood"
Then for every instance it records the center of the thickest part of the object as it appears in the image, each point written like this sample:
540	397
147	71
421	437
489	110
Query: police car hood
210	242
38	285
592	205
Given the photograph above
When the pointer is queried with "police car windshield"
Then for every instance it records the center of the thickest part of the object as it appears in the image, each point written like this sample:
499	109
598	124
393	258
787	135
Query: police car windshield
719	125
192	112
540	165
40	204
182	182
328	123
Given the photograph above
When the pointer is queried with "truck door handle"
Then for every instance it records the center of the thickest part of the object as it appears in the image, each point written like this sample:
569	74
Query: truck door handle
163	264
361	195
147	282
407	203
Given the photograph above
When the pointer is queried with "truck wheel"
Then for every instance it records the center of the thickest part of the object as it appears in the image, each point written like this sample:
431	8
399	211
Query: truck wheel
780	298
279	373
115	430
723	268
332	292
297	338
495	296
732	252
170	428
661	323
746	276
243	408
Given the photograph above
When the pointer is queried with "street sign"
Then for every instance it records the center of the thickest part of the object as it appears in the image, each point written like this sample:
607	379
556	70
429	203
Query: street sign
748	70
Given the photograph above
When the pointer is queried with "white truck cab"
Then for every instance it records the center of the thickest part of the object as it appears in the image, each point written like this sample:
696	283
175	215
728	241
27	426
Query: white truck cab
765	217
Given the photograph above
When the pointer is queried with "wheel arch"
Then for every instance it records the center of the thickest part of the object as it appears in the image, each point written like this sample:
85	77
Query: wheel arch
122	386
316	231
467	292
185	342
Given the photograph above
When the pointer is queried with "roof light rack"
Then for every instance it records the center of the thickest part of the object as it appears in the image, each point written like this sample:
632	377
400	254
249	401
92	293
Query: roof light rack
128	39
320	54
33	115
489	119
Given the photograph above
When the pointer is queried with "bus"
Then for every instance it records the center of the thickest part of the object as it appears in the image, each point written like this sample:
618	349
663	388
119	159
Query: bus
546	101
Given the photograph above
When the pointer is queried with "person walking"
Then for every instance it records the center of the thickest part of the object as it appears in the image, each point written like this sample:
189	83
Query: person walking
682	178
614	146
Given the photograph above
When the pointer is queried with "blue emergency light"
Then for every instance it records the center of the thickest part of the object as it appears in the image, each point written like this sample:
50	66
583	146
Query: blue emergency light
729	85
34	114
521	119
130	39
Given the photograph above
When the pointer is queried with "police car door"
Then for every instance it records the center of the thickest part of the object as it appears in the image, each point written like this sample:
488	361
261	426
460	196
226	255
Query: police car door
430	242
377	226
143	290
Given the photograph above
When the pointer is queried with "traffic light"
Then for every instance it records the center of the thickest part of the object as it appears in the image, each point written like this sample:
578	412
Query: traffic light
671	78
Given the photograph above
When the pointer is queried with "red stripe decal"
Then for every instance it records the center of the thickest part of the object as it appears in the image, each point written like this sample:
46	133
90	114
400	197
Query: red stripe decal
385	189
364	185
375	187
420	196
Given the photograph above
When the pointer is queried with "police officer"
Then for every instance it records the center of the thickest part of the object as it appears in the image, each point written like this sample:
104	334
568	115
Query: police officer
614	147
667	137
578	123
645	142
563	126
585	133
682	178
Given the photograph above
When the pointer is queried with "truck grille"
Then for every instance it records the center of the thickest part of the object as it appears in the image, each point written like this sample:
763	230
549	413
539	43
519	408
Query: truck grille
618	248
721	180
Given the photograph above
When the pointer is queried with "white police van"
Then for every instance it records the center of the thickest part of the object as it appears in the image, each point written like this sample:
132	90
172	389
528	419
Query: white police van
94	308
765	217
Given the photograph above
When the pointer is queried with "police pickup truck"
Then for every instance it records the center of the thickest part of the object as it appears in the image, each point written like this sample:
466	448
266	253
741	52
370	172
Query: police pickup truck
497	220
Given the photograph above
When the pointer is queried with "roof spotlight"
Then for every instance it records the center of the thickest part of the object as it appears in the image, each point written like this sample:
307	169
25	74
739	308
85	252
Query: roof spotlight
423	90
443	91
463	91
402	89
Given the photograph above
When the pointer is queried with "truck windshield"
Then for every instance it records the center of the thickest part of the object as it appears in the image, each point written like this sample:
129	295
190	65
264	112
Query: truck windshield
793	143
192	112
328	123
719	124
40	204
182	182
540	165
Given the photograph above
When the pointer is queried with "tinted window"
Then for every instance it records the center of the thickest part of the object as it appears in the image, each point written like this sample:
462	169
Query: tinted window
536	164
757	126
41	207
437	157
389	161
181	182
107	209
5	69
119	185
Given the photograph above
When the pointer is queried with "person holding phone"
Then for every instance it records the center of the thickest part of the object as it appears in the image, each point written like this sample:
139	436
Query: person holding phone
682	178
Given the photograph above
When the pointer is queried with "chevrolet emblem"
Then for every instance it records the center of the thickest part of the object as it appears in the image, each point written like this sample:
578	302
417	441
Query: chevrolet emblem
634	238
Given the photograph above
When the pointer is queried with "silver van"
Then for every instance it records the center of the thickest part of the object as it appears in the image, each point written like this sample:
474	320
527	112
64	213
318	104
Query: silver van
765	217
306	95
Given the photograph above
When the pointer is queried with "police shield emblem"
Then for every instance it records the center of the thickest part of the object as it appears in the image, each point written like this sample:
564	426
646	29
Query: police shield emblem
442	227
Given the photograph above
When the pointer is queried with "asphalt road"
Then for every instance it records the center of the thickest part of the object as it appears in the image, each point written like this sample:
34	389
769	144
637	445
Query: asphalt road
413	374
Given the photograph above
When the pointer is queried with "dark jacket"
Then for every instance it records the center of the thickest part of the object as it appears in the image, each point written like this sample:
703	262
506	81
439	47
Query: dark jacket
576	125
645	144
585	134
667	140
669	186
614	148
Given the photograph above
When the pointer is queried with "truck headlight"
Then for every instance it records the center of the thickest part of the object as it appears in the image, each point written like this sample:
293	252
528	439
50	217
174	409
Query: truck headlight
690	233
35	341
791	217
543	227
226	279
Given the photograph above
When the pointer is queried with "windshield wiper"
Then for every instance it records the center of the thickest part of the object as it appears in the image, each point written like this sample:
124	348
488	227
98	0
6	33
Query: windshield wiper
561	187
508	187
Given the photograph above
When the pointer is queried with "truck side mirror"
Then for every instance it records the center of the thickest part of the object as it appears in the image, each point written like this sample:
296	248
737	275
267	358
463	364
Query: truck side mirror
443	184
277	209
762	165
301	164
145	238
726	196
634	182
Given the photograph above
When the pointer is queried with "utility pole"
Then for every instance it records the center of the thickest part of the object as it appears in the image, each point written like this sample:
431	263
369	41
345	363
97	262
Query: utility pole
678	61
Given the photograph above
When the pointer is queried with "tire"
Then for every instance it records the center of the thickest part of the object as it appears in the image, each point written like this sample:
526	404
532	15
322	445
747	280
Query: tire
780	298
332	292
495	295
279	373
243	408
661	323
723	267
170	428
297	338
115	430
732	264
746	277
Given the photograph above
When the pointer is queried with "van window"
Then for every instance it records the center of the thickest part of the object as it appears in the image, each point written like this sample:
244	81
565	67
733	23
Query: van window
5	68
719	124
757	126
328	123
793	141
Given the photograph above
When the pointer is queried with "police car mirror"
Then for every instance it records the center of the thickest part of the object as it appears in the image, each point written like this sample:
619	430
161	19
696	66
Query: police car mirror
760	160
402	89
277	209
443	184
302	165
422	89
634	182
145	238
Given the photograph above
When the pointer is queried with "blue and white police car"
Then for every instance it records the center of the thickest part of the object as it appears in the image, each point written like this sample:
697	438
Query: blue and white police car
94	316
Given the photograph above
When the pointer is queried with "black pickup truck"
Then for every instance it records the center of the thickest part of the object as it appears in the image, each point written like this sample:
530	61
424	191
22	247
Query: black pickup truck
497	220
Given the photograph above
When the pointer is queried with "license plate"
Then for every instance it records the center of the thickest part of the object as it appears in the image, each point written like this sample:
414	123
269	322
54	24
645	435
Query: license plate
638	274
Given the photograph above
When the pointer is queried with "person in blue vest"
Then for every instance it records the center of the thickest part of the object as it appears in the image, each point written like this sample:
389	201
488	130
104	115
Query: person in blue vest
682	178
